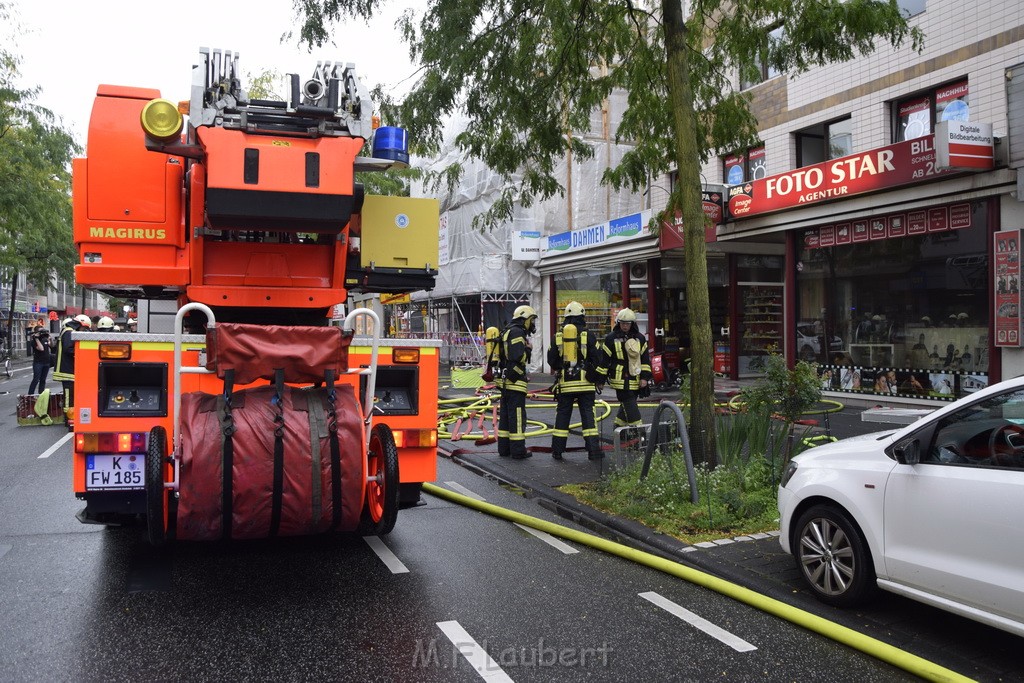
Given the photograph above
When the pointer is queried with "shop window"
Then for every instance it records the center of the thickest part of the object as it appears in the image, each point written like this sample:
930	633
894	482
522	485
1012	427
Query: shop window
598	289
900	304
824	141
750	164
760	70
915	116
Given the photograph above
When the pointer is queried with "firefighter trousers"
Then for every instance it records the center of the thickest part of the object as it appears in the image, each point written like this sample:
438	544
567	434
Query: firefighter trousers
563	416
629	412
512	425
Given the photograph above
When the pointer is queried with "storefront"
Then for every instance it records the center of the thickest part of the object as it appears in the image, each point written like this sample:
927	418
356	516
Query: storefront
888	281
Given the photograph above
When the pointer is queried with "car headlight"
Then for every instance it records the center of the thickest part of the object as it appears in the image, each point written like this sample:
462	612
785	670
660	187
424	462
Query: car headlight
788	473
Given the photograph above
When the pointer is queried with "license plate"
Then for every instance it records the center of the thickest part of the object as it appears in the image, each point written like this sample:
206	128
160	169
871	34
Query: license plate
114	471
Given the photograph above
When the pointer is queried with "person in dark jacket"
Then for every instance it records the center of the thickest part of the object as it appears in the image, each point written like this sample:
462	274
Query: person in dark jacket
626	368
574	357
40	344
516	352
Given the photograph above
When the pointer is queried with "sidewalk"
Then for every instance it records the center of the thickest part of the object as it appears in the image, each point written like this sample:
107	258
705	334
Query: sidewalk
540	476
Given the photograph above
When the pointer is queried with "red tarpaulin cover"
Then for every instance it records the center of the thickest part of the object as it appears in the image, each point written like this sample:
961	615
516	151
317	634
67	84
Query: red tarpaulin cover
306	498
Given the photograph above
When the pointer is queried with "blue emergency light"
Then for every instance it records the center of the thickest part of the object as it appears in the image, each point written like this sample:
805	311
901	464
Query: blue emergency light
390	142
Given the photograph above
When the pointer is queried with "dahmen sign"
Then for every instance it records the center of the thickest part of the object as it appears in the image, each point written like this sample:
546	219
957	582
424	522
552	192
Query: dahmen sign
903	163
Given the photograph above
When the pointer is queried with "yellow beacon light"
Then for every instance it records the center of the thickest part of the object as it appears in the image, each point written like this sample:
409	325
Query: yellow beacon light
161	120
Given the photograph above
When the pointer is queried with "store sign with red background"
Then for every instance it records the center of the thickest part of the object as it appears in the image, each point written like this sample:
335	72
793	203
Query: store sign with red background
903	163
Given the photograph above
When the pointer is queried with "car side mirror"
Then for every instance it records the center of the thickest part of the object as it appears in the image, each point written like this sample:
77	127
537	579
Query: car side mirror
908	452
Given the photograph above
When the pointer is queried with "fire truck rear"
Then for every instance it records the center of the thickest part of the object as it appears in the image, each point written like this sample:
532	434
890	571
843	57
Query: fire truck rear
248	414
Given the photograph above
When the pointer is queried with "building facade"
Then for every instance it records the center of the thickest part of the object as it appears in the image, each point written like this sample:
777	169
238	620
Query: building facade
866	232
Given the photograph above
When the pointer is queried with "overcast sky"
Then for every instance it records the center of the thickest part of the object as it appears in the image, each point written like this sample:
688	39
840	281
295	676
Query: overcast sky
69	47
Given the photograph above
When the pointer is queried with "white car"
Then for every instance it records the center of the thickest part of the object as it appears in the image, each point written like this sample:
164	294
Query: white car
933	511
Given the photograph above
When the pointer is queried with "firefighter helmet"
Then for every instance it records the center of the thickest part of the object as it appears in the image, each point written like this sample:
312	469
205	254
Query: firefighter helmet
574	309
524	313
105	323
67	321
626	315
83	320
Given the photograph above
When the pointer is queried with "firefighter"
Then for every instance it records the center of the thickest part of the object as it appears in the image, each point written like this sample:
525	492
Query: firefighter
627	368
65	369
515	353
574	358
105	324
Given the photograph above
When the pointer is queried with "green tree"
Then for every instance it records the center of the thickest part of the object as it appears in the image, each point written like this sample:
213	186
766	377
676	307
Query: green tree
35	184
528	73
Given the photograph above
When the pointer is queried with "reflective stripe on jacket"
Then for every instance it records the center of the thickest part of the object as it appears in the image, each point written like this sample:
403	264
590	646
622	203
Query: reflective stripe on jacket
616	366
514	357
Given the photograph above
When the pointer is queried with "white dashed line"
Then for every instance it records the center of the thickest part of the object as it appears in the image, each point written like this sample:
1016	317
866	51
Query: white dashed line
548	538
463	490
389	559
474	654
735	642
53	449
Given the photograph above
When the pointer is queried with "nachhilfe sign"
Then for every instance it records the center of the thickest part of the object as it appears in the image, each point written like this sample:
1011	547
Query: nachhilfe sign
903	163
964	146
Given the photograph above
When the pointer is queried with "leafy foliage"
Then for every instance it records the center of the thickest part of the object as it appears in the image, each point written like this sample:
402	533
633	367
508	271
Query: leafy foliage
784	392
35	182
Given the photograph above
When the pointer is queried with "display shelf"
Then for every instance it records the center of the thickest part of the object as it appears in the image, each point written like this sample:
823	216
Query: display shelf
762	326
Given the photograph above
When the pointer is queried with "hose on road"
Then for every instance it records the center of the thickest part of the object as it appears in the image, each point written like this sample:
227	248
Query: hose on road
871	646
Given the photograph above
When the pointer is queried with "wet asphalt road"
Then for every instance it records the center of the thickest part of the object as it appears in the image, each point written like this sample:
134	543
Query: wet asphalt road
88	603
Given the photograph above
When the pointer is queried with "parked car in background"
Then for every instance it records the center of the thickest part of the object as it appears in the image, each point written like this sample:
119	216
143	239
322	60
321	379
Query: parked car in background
808	341
932	511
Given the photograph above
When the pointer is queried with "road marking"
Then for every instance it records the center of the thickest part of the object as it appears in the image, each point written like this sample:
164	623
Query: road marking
389	559
463	490
53	449
548	538
735	642
474	654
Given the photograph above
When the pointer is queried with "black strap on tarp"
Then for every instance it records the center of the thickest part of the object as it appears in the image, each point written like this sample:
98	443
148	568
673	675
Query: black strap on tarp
332	430
227	456
278	490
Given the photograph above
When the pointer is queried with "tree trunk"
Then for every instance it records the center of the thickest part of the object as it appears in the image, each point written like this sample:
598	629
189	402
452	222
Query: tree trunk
686	197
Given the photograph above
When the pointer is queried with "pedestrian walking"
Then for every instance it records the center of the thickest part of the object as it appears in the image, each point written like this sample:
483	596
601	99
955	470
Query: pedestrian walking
515	353
41	356
574	357
627	369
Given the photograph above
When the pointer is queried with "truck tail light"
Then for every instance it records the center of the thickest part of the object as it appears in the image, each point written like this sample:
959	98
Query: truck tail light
416	438
405	355
115	351
110	442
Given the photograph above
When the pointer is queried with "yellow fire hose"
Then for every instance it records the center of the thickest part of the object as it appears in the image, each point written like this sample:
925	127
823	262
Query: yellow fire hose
841	634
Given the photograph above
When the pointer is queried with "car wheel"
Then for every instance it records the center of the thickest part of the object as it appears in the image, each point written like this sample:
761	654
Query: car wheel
807	353
833	557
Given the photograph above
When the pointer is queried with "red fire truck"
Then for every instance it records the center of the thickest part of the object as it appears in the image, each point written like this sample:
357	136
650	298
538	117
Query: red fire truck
253	415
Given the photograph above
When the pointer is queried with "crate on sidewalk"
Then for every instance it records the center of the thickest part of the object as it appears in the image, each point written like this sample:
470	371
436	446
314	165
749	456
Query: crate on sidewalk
27	413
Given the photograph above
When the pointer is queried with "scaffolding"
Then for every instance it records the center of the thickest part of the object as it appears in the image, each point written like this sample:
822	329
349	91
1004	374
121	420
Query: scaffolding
458	320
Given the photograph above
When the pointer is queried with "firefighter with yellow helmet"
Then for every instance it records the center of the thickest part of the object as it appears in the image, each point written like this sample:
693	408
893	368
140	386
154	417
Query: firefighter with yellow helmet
626	367
574	357
515	353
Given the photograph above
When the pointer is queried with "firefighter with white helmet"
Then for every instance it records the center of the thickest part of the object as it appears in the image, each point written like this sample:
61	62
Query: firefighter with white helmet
105	324
515	353
626	368
574	357
64	372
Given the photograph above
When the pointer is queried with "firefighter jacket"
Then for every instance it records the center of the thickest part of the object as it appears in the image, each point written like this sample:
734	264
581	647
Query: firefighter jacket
64	370
583	374
615	368
513	357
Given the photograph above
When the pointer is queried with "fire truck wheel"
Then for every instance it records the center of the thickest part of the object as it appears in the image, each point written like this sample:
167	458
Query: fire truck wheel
382	490
156	497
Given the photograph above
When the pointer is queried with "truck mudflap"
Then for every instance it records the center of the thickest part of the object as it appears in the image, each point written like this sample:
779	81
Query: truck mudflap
263	465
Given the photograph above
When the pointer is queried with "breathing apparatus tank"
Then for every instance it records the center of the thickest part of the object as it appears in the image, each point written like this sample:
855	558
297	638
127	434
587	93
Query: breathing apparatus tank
570	345
492	340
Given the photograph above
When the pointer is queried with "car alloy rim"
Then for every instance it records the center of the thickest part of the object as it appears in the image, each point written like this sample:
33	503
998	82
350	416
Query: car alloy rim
827	557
